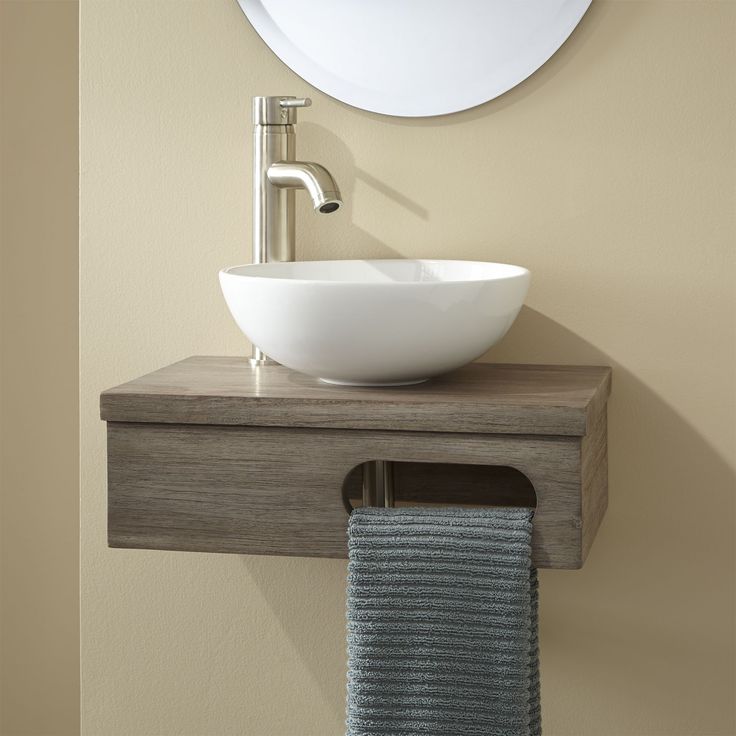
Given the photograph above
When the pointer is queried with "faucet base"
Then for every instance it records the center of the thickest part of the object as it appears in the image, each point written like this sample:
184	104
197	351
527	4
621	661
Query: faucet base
257	362
259	358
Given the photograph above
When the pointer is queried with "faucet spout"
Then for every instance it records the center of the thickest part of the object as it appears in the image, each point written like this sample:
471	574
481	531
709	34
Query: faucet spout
318	182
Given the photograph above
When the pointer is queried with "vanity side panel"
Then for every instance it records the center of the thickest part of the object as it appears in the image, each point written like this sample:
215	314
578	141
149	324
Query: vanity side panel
594	458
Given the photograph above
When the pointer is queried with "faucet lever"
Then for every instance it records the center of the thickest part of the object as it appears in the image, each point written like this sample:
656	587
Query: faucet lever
295	102
279	110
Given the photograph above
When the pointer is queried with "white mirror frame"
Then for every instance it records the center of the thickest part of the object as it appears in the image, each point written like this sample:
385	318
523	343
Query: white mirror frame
414	58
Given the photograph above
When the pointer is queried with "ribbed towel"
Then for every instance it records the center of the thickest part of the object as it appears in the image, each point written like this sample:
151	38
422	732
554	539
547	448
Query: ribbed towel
442	623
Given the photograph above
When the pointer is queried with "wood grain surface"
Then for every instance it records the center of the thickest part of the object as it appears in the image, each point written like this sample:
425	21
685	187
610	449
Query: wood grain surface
210	455
267	490
480	397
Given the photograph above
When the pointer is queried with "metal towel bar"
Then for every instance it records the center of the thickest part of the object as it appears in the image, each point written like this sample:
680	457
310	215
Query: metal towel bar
378	483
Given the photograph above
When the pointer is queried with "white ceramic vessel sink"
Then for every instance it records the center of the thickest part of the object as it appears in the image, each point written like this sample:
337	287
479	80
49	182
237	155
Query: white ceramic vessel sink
374	323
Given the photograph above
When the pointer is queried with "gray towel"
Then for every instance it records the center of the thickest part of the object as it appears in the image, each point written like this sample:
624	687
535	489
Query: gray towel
442	623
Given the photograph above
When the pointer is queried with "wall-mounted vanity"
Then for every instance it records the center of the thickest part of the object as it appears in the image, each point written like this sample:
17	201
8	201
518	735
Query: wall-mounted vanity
211	454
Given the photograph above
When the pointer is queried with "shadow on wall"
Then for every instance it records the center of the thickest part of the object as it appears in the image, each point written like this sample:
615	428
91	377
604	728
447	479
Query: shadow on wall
661	564
341	237
663	557
338	235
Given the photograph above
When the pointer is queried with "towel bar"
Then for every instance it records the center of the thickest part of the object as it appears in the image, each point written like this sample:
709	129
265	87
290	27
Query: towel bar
378	483
211	455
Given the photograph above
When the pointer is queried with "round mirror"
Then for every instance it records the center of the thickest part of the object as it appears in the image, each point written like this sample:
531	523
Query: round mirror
414	58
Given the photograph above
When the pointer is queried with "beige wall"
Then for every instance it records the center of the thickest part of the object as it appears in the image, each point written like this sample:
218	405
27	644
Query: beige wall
39	479
610	174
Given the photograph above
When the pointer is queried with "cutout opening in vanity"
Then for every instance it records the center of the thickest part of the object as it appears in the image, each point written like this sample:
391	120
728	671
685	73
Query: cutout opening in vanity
447	484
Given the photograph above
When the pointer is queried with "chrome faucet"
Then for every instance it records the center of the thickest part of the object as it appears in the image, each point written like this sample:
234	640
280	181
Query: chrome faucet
276	174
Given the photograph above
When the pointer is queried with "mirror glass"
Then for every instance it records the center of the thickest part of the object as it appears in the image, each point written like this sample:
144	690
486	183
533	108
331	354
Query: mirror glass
414	58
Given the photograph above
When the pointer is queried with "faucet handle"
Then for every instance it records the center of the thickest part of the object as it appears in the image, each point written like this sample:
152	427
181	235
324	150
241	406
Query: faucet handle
277	110
295	102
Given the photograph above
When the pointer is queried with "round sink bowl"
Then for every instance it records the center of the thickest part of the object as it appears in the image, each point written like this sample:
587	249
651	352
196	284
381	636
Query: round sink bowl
374	323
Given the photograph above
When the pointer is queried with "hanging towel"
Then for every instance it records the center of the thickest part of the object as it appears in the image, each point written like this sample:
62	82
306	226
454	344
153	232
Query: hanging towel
442	623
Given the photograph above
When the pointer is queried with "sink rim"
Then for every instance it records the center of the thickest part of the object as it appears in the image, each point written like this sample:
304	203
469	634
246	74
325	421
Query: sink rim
251	271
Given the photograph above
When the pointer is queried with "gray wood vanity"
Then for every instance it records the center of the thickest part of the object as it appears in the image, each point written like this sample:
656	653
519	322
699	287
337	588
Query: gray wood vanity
211	455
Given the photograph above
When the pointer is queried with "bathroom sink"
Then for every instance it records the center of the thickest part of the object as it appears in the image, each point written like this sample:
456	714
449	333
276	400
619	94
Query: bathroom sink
374	323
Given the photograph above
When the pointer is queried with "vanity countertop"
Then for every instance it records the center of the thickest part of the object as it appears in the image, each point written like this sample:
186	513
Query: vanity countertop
486	398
